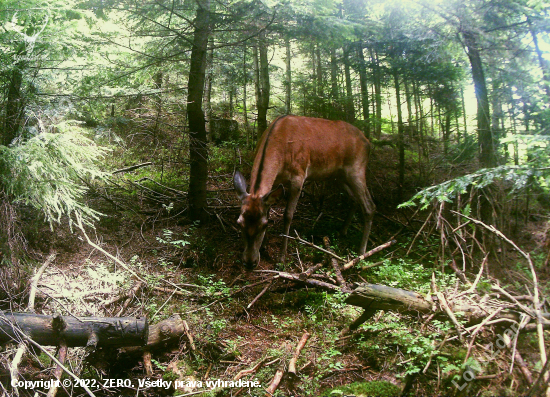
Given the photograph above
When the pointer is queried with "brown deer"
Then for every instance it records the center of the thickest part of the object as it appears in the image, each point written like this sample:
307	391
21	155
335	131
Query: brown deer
292	150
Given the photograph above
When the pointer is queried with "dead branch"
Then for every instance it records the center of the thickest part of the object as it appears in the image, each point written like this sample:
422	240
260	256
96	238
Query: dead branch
34	281
373	251
52	357
310	271
543	375
536	301
523	368
58	369
130	296
14	367
445	306
97	247
301	344
233	293
275	382
305	242
22	347
189	335
296	277
261	293
478	328
339	278
131	168
147	363
251	370
128	293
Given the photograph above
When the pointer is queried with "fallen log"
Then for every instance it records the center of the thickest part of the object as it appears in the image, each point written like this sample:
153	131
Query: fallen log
373	297
83	331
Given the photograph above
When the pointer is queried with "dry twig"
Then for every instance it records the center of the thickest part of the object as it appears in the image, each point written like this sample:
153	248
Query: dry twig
373	251
301	344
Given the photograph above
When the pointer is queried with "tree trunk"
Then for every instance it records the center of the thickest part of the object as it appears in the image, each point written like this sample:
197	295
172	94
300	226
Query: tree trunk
263	85
542	65
198	153
314	86
320	99
447	131
497	115
157	85
333	76
377	93
208	85
15	106
464	116
364	88
245	109
350	109
487	157
401	142
288	82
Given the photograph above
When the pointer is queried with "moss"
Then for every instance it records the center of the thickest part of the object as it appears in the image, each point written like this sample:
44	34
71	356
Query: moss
365	389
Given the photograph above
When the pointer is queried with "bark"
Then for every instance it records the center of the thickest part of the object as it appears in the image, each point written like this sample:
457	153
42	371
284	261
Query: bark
350	109
288	82
377	93
333	76
401	143
313	75
245	109
14	107
408	100
447	131
464	116
263	89
209	77
498	113
542	64
320	100
157	85
487	156
257	92
364	88
198	153
84	331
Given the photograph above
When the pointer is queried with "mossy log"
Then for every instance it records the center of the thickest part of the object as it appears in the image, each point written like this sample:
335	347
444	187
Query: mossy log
73	331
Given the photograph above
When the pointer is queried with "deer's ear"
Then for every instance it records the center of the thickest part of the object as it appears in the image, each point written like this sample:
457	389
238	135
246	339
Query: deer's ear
240	185
270	198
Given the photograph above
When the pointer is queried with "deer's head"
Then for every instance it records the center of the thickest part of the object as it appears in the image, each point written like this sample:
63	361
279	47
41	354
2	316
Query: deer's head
253	219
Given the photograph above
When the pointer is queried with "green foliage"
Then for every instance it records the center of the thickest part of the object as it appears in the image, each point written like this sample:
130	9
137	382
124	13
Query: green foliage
517	176
536	170
51	173
158	365
214	287
407	275
168	238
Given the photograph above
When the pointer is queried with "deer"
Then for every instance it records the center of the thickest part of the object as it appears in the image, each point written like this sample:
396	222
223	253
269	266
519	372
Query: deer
294	149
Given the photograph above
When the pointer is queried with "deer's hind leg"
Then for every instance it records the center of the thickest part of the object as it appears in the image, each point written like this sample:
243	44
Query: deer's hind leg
357	185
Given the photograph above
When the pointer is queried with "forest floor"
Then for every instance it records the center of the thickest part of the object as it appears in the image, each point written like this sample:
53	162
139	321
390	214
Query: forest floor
144	226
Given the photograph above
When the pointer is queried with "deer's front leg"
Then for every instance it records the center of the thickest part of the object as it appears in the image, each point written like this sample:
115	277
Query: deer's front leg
294	195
